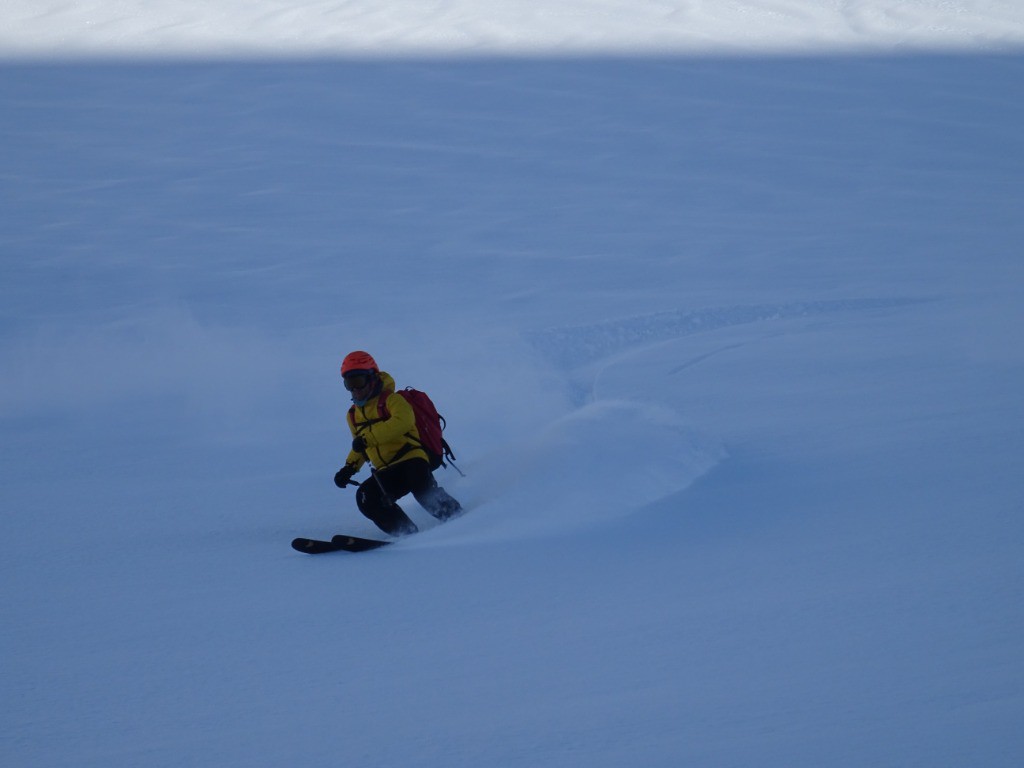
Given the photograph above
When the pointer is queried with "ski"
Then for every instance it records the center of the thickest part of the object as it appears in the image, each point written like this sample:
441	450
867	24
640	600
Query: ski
357	544
345	543
339	543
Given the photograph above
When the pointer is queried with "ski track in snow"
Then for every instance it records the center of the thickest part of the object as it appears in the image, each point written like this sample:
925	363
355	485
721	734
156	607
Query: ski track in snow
562	456
574	346
585	352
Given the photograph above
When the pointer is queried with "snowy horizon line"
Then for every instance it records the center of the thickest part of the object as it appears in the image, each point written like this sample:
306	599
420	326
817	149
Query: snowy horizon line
473	29
171	57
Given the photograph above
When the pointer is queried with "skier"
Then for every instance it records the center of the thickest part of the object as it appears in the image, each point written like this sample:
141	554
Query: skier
392	446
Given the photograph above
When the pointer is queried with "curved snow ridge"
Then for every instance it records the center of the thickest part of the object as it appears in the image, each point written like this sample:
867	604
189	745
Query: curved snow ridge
572	346
604	461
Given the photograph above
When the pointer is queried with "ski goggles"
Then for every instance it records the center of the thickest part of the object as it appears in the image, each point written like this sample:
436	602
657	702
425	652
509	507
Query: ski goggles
354	381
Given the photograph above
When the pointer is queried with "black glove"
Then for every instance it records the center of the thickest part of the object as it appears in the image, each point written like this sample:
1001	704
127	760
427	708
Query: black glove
359	445
344	476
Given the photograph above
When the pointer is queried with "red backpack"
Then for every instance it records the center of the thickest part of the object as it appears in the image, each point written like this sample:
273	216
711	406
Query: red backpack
429	423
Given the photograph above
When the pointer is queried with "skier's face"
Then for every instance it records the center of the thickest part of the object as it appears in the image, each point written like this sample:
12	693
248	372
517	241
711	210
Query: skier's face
360	385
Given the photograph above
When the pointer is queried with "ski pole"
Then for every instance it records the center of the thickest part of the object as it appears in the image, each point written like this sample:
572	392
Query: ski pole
373	471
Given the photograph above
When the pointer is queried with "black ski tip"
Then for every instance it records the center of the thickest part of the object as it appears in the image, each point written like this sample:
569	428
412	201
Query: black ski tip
339	543
312	546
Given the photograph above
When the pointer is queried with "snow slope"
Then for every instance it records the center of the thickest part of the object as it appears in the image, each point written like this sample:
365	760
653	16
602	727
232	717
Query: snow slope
729	347
55	28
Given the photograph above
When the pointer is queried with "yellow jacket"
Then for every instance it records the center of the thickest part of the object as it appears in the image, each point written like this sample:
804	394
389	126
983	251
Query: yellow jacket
390	441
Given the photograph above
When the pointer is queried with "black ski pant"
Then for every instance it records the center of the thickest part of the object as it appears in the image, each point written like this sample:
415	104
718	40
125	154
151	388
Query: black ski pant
377	496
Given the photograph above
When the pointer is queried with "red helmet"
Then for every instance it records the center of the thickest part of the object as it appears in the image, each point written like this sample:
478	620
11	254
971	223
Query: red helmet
358	361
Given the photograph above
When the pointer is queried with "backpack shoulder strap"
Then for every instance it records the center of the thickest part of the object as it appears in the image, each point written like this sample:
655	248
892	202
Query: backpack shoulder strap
382	415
